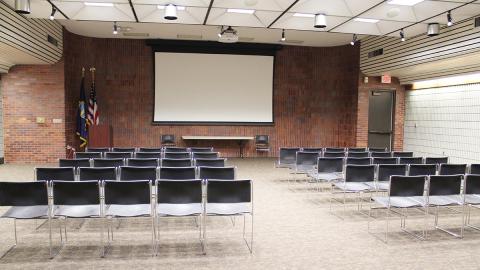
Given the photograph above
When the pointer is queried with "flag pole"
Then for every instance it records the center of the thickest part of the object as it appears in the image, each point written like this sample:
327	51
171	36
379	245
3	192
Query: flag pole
83	72
92	70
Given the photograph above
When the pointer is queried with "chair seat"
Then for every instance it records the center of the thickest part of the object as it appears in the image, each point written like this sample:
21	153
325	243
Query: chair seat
27	212
184	209
326	176
353	186
445	200
398	202
472	199
381	185
78	211
304	168
228	208
131	210
286	165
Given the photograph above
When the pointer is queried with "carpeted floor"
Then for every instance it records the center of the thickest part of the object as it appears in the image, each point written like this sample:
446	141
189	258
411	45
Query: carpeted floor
294	229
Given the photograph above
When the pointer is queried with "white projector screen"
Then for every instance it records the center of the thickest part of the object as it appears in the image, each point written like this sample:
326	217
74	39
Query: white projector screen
213	88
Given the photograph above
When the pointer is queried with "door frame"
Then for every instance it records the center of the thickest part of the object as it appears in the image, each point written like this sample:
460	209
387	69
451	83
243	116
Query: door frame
394	100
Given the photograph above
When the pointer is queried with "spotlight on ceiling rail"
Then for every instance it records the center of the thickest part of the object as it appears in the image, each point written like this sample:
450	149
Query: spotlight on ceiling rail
402	35
449	18
354	39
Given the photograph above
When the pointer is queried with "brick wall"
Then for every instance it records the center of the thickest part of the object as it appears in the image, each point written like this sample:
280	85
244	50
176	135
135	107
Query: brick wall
31	91
315	95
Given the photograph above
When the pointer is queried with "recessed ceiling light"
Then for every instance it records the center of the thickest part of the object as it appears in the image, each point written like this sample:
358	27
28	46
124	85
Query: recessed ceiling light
366	20
98	4
242	11
178	7
305	15
404	2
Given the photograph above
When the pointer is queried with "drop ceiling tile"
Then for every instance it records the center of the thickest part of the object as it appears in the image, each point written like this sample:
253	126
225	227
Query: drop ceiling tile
358	28
78	11
359	6
150	13
288	21
391	12
219	16
328	7
185	3
94	1
39	9
272	5
427	9
386	27
459	14
267	17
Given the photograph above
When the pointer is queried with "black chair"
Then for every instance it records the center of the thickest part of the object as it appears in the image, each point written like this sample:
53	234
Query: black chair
177	155
380	154
436	160
79	155
474	168
177	173
305	163
103	173
356	149
150	149
27	200
384	171
167	139
402	154
358	154
142	162
130	199
98	149
108	162
201	149
312	149
207	162
358	161
118	154
451	169
220	173
175	149
148	155
124	149
80	162
287	156
169	162
410	160
358	179
128	173
204	155
64	173
377	149
333	154
231	198
472	196
334	149
180	198
384	160
328	169
422	169
262	143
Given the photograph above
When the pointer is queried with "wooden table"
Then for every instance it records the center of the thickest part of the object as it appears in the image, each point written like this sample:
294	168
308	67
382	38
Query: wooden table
240	139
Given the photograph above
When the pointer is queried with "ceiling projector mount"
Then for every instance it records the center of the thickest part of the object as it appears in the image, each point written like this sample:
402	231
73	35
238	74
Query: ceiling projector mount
227	35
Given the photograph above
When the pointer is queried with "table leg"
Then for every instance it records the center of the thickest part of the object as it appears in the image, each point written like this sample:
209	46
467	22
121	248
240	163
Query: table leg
240	145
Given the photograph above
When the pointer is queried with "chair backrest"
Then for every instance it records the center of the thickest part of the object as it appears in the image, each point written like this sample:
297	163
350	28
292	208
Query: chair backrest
222	173
440	185
118	154
334	149
176	155
384	160
100	173
79	162
472	184
422	169
108	162
76	193
451	169
206	162
23	193
334	154
377	149
124	149
127	192
358	161
307	158
138	173
329	165
177	173
380	154
359	173
312	149
169	162
179	191
64	173
436	160
167	139
406	186
78	155
358	154
261	139
148	155
356	149
97	149
142	162
475	168
410	160
288	155
150	149
402	154
386	170
175	149
204	155
201	149
221	191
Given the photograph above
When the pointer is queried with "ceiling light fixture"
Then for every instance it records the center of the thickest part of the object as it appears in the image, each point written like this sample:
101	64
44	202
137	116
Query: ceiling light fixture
178	7
98	4
449	18
241	11
22	6
170	12
283	35
52	15
404	2
354	39
320	21
304	15
115	28
366	20
402	35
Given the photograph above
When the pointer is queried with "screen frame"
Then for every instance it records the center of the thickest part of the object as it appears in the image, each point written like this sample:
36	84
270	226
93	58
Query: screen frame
210	47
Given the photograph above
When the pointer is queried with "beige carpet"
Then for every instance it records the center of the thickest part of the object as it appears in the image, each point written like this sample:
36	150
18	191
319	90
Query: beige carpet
294	229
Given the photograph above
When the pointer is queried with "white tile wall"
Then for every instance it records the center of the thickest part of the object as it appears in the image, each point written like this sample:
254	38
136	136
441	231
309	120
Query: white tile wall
444	122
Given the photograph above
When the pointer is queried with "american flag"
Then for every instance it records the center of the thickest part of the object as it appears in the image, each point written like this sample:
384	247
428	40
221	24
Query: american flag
93	115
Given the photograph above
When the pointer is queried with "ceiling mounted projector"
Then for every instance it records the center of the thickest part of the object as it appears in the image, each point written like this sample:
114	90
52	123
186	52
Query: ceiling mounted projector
22	6
433	29
320	21
228	35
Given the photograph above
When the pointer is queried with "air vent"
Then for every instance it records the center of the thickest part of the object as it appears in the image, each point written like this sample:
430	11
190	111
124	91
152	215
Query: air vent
135	34
195	37
375	53
477	22
52	40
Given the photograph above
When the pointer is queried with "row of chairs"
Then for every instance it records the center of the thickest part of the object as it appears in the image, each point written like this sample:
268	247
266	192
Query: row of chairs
148	149
171	155
142	162
52	200
129	173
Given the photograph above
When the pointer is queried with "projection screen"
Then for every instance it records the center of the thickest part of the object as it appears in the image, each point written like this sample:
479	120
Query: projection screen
213	88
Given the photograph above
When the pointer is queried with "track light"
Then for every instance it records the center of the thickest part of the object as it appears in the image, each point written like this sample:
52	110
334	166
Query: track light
170	12
320	21
402	35
354	39
115	28
22	6
52	15
283	35
449	19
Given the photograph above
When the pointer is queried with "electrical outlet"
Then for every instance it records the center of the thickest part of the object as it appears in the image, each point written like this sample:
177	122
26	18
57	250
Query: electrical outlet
40	120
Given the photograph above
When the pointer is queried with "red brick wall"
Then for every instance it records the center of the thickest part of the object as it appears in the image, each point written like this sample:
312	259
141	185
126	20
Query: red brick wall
315	95
364	89
28	92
